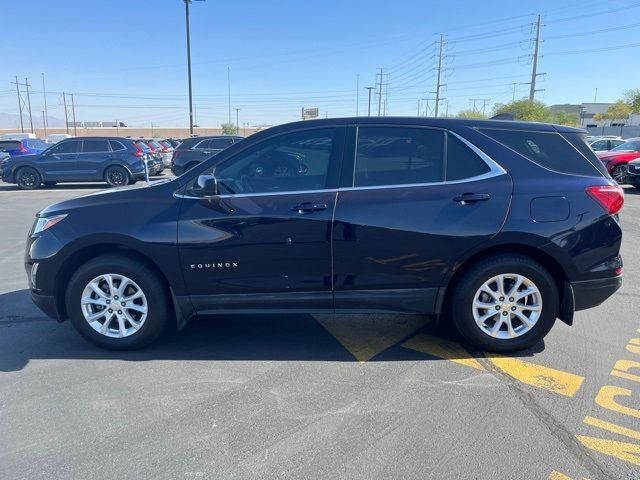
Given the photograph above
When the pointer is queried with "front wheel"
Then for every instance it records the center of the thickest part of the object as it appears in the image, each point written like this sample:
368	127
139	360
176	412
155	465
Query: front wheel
505	303
28	178
116	176
117	302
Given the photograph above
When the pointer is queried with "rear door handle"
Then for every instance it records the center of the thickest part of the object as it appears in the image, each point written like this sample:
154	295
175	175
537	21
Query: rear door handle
308	207
469	198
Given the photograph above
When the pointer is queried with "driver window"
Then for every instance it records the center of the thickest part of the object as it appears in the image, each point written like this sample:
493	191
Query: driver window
291	162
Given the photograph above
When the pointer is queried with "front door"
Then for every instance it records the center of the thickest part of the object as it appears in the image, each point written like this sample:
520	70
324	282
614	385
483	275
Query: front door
419	200
265	241
60	162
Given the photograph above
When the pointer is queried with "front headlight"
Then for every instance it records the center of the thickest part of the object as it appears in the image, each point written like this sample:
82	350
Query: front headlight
45	223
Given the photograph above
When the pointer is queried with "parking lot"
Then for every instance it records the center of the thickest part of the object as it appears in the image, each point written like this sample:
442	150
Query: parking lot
291	396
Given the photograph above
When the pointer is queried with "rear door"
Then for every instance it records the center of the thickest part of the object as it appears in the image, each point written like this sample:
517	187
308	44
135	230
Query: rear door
94	159
418	200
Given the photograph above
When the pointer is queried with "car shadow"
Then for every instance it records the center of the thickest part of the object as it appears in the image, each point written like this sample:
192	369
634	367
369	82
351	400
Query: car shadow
26	334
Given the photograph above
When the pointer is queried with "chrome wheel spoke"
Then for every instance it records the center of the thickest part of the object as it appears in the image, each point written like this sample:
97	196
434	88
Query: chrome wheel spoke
100	301
136	308
516	285
122	331
97	290
523	318
105	326
135	296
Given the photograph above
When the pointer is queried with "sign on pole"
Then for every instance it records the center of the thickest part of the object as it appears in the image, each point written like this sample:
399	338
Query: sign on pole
308	113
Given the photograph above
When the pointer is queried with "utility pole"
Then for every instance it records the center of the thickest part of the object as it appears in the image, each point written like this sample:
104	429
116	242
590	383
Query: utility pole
66	115
19	104
26	84
380	93
73	110
369	109
438	84
237	123
117	128
484	103
44	97
44	123
229	90
357	92
186	11
595	97
513	99
534	70
418	108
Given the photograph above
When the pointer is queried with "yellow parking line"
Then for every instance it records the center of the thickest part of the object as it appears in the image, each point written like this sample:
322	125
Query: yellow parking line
550	379
558	476
365	336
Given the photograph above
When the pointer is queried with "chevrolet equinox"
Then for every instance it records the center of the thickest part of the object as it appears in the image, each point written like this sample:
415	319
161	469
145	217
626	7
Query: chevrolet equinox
499	227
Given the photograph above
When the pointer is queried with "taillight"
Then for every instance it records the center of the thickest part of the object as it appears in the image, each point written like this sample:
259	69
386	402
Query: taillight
23	149
138	152
611	197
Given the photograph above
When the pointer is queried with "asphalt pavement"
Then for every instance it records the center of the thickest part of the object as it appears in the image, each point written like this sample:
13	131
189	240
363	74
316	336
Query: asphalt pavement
314	397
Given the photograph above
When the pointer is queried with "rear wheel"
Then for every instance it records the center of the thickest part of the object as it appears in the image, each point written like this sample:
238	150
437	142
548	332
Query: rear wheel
28	178
117	302
116	176
505	303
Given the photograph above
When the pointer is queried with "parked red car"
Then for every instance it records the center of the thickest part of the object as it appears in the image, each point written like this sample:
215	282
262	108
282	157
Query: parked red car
617	159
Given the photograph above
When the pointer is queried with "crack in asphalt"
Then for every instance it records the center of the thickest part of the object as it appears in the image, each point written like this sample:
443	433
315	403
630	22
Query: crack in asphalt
555	427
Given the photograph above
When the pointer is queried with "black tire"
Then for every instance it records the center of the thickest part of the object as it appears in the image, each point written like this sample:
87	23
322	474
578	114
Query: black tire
158	305
481	272
116	176
28	178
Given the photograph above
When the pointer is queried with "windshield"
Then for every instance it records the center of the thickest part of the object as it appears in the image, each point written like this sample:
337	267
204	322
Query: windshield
630	146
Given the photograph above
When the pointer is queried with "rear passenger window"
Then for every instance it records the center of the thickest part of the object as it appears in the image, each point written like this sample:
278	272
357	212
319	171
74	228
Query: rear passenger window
397	156
579	141
547	149
95	146
10	145
115	145
462	162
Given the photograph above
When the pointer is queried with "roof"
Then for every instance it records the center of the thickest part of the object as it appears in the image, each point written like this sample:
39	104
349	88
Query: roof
452	123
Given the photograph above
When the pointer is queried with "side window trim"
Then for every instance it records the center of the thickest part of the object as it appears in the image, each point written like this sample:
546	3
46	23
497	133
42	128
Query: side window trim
494	168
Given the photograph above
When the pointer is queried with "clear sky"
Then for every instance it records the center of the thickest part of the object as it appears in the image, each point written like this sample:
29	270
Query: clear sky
126	59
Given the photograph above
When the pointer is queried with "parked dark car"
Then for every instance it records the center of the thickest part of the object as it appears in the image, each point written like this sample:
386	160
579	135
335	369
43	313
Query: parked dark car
498	227
114	160
193	151
26	146
154	165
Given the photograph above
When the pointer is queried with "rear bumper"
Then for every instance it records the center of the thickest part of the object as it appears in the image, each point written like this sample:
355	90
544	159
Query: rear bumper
591	293
47	304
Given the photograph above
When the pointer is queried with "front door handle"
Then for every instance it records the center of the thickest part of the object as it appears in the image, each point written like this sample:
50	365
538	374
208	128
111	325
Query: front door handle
308	207
470	198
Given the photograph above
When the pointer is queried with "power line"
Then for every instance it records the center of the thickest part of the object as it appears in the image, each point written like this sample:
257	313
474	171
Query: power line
601	12
593	50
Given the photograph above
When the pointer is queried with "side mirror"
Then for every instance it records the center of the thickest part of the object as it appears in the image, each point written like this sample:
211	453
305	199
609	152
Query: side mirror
206	186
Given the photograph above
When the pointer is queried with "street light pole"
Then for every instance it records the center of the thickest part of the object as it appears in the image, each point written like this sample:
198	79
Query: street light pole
237	124
186	12
369	109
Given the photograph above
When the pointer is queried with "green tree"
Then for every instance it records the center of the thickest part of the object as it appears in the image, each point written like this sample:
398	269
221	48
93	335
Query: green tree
632	98
565	118
618	111
229	129
535	111
470	113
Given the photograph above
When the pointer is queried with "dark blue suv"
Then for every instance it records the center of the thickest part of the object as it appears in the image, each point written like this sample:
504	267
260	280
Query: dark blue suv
498	227
114	160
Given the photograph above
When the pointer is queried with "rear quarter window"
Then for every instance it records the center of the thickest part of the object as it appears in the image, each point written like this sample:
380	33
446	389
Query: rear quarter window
547	149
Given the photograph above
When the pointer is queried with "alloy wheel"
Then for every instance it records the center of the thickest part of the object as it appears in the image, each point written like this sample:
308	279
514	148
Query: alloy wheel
507	306
619	173
114	305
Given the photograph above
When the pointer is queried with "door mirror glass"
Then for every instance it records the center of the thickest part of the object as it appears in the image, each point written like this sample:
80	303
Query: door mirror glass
205	186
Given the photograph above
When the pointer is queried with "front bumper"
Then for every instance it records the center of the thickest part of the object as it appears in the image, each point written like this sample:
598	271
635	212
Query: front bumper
591	293
47	304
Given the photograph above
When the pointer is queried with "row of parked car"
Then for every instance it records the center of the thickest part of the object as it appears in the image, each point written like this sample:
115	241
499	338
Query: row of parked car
31	163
